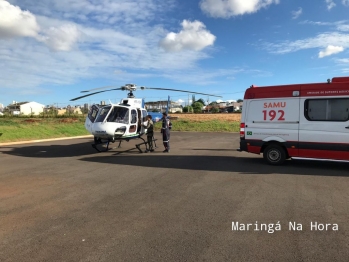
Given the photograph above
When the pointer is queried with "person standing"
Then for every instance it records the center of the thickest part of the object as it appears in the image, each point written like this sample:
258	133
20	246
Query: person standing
149	125
165	130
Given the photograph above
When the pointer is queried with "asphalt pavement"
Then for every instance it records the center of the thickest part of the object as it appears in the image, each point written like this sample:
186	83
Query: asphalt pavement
204	201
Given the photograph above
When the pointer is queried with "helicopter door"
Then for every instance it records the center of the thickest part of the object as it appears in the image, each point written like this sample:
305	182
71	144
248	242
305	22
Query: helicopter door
91	117
139	122
133	126
143	119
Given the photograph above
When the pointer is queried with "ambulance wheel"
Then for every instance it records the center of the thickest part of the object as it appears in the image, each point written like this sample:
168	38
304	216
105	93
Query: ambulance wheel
274	154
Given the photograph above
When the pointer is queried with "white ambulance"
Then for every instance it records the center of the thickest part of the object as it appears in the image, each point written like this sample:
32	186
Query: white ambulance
304	121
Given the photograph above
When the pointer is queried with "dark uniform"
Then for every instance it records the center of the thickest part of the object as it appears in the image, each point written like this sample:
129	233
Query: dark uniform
165	130
150	135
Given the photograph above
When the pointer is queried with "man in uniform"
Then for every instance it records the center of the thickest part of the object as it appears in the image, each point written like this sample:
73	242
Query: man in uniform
165	131
149	125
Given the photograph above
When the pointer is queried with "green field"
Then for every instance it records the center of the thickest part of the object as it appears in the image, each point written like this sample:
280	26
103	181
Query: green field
14	129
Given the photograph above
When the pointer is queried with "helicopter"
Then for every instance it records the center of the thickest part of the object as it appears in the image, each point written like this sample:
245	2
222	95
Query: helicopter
123	121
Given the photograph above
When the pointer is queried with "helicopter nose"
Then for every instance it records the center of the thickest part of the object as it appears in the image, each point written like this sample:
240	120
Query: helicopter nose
98	129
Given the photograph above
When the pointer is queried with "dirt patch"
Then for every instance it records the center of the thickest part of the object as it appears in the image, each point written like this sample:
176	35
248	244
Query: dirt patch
32	120
207	117
69	120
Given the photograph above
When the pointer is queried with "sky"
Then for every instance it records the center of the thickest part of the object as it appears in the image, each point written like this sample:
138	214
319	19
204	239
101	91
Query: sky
51	50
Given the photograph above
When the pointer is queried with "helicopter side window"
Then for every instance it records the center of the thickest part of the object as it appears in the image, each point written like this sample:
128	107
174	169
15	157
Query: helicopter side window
124	115
133	116
93	113
103	112
144	115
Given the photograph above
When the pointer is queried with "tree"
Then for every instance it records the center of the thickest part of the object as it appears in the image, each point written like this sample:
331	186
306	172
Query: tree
215	110
197	107
187	109
239	100
201	101
84	110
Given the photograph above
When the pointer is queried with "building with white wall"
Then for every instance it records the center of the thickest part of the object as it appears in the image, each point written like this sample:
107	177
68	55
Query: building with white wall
26	108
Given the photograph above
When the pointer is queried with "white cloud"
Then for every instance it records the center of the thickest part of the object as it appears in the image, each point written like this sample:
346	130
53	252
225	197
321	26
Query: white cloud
122	50
315	23
342	27
229	8
320	41
203	77
296	14
100	13
345	2
330	4
343	60
62	38
16	23
193	36
95	51
339	25
330	50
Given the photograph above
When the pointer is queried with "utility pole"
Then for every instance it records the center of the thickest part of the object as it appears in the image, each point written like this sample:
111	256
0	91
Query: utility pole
208	102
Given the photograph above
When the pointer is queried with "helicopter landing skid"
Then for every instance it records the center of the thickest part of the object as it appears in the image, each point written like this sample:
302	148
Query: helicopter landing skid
106	148
146	145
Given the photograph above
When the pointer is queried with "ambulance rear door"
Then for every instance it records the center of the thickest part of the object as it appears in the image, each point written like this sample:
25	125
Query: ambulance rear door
274	118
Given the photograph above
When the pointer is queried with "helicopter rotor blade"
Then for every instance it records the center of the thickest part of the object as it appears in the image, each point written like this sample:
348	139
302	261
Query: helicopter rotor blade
98	88
76	98
177	90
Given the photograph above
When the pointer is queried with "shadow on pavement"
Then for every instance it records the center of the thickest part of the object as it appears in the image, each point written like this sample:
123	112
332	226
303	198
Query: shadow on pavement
225	164
129	155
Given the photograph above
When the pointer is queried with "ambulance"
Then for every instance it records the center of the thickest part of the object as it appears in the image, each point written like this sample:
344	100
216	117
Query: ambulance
298	121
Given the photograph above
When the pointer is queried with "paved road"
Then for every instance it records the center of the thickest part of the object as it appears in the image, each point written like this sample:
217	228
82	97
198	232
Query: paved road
62	201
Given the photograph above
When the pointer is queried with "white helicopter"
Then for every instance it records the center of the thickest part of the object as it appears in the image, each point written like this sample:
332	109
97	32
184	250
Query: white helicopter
123	121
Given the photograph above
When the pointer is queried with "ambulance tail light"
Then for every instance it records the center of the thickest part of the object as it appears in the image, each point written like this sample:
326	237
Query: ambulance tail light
242	130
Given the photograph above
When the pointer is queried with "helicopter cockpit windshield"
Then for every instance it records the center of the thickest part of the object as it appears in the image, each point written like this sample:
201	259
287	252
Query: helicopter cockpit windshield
118	114
103	112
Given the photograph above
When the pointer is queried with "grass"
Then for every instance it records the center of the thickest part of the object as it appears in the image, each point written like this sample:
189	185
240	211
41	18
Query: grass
21	129
203	126
14	129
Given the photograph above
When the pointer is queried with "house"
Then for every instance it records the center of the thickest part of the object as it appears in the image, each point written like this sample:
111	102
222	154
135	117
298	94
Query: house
25	108
237	105
161	106
228	107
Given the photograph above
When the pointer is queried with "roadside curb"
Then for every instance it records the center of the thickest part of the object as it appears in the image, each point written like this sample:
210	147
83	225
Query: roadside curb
43	140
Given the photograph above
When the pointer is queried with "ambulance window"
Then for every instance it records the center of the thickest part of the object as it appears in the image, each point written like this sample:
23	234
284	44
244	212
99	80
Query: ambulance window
336	109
